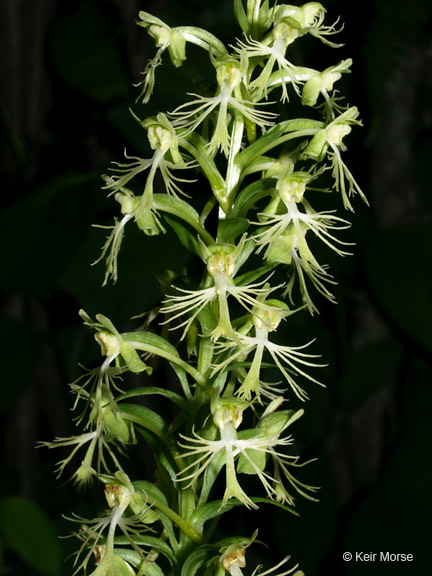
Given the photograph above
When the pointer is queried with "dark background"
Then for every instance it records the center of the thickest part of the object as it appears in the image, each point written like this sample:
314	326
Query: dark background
66	75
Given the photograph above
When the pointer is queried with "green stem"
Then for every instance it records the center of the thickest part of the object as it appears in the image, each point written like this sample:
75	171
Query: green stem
208	238
196	375
233	170
183	524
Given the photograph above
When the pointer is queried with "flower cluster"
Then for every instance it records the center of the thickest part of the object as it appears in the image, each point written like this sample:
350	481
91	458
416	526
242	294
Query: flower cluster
225	334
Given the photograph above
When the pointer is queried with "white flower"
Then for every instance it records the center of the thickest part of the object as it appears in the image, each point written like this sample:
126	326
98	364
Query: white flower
282	36
221	266
189	116
289	359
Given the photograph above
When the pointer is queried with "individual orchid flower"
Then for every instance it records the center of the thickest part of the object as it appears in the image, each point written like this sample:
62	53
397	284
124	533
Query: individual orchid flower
289	359
120	496
322	83
222	264
174	40
308	19
274	51
249	447
233	560
329	141
285	234
166	158
228	98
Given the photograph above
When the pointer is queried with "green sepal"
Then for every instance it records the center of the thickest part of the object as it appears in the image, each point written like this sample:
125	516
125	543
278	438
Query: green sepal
249	277
138	505
280	252
157	498
274	423
311	90
136	560
258	457
177	48
132	359
116	425
317	147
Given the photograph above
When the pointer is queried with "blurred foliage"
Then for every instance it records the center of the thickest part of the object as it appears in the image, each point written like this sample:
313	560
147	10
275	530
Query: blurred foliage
370	428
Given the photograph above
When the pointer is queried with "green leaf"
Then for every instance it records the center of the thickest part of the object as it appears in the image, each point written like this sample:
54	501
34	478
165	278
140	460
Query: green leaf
298	128
398	264
144	417
148	541
31	260
230	228
135	559
31	534
214	509
154	390
188	239
86	55
358	381
196	560
152	340
248	197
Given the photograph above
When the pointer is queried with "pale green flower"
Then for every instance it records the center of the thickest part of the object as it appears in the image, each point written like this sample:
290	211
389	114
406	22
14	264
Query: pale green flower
281	37
322	83
289	359
174	40
249	448
221	265
189	116
329	141
166	158
308	19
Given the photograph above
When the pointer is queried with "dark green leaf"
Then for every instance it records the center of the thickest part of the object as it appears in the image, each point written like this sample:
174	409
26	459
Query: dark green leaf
230	228
86	55
154	390
144	417
186	237
30	533
398	264
214	509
